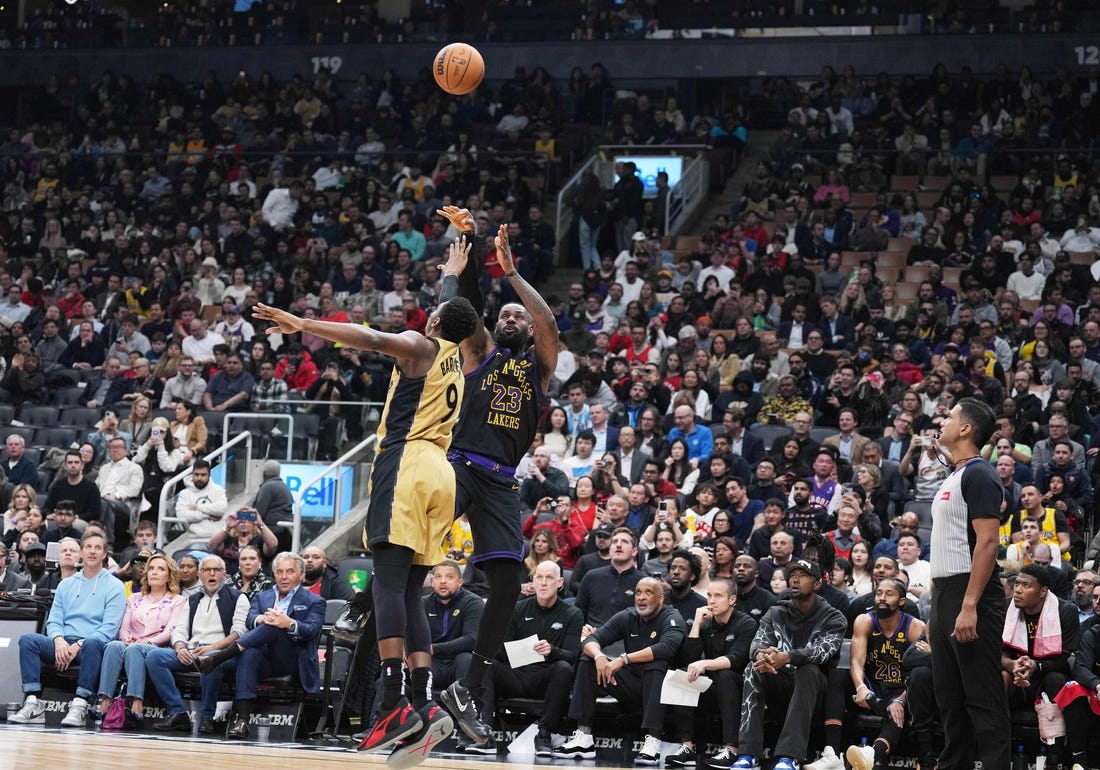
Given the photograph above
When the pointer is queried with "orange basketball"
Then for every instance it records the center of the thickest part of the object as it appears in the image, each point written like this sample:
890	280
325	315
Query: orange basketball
458	68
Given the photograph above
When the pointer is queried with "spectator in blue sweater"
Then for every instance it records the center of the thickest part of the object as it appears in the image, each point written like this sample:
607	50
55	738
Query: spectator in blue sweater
86	614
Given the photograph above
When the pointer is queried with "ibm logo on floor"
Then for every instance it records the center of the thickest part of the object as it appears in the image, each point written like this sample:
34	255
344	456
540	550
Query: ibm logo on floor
277	720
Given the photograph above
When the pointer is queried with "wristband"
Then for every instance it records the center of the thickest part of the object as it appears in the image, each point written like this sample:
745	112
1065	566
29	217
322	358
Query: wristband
509	275
601	655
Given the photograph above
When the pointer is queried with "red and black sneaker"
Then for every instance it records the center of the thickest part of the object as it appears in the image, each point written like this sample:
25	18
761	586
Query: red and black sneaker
401	722
437	727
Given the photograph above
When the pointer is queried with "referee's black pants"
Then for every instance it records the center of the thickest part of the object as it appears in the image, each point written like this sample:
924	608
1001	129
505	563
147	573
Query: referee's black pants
969	689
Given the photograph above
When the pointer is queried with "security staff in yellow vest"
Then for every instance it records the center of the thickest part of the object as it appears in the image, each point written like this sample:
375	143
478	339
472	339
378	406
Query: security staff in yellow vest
1054	529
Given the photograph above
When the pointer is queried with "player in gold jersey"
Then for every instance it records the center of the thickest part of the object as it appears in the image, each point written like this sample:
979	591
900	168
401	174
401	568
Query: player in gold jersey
412	502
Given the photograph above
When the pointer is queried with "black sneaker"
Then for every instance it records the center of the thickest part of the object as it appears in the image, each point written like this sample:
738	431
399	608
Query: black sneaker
460	702
401	722
487	749
722	759
684	757
437	727
543	746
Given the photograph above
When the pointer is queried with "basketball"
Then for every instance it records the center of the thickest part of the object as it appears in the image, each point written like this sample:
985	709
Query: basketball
458	68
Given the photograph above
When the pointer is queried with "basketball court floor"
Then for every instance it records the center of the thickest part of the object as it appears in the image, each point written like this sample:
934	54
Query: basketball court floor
26	748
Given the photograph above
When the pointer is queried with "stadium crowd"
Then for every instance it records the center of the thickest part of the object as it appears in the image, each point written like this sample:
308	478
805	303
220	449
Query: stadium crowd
749	417
282	22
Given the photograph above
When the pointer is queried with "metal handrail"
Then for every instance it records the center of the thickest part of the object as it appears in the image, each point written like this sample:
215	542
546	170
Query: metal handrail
561	226
210	458
296	531
684	195
262	416
564	215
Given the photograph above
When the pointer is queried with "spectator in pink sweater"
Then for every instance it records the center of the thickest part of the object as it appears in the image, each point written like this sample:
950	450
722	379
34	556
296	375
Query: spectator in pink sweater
147	623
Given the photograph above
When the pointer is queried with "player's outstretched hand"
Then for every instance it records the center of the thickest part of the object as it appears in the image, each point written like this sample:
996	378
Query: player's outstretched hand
460	218
504	250
458	254
285	323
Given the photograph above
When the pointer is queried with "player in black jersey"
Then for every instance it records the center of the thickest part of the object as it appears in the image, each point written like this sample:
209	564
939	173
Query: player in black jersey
879	640
506	383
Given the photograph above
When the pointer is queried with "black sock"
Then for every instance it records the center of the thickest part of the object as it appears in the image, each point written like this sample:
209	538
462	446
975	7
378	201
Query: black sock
881	750
243	709
421	687
392	682
475	674
834	736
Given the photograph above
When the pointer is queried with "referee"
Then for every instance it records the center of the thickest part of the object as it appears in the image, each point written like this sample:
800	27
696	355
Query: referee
968	604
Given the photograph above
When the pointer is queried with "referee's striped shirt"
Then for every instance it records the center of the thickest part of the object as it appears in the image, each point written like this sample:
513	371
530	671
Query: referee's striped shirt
972	492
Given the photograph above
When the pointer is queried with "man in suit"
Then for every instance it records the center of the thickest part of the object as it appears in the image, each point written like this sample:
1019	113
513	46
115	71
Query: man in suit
18	468
848	443
892	480
629	459
895	446
838	329
743	442
106	387
794	333
607	435
285	623
10	580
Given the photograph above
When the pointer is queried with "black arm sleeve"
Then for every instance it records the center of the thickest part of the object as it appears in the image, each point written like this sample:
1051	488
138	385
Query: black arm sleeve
468	285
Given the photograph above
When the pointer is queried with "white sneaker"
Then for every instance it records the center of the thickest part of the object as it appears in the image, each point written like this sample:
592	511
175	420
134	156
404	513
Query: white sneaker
861	757
32	713
579	746
78	713
827	761
650	753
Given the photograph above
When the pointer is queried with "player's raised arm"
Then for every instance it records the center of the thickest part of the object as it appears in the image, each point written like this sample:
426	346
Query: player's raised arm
412	350
544	326
460	280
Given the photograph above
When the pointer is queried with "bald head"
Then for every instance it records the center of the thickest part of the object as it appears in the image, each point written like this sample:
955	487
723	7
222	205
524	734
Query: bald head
909	522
